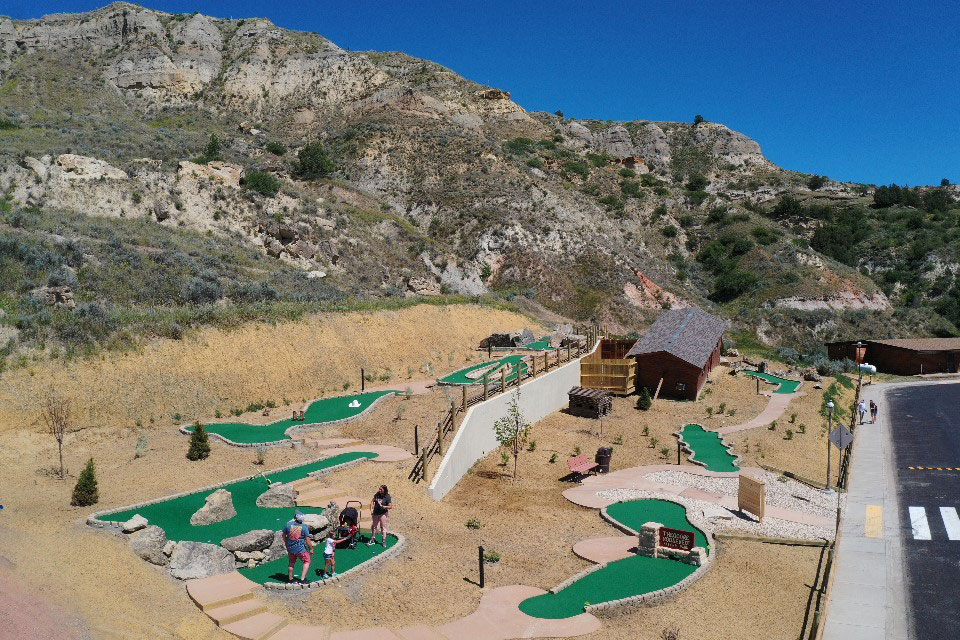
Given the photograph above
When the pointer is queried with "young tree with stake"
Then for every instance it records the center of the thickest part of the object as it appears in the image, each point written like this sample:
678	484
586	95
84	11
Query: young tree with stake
513	430
56	415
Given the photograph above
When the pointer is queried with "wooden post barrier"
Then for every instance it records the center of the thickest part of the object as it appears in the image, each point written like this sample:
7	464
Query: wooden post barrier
363	380
558	356
480	560
439	439
463	402
486	386
503	379
416	440
533	366
546	363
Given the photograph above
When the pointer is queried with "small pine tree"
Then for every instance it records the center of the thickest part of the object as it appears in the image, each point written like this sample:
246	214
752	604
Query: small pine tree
199	443
644	402
212	150
85	492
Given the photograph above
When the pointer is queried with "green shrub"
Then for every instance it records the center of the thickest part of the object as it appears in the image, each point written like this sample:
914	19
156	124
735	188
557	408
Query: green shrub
6	124
519	146
788	435
313	162
473	523
815	182
577	167
199	443
598	160
611	202
669	231
644	402
211	152
276	148
261	182
686	221
697	182
627	173
649	180
535	163
764	235
532	446
553	458
577	451
491	557
619	439
85	492
732	284
631	189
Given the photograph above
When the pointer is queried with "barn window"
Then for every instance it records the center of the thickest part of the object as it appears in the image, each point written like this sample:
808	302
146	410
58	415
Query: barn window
681	386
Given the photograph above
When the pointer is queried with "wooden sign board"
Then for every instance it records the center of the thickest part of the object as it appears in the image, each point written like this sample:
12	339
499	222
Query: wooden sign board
676	539
751	496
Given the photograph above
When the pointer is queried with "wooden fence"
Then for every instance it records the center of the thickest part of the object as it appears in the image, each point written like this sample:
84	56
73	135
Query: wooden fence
531	366
607	369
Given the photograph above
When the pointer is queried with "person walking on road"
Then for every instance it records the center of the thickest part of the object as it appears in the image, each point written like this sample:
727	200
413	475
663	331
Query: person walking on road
380	506
873	412
862	410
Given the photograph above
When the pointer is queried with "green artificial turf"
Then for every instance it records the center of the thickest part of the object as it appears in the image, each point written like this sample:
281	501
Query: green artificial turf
708	449
276	571
786	386
539	345
460	377
174	515
319	412
624	578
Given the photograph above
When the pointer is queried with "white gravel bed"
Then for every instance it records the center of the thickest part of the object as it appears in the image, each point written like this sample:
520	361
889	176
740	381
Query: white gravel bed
722	519
781	491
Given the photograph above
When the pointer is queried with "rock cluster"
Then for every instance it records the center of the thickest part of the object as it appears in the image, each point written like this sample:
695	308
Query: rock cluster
279	495
218	507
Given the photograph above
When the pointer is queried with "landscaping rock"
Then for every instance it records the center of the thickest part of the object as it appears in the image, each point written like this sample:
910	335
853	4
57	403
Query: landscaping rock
277	550
149	543
278	496
250	541
200	560
316	522
332	512
169	547
218	507
811	375
135	523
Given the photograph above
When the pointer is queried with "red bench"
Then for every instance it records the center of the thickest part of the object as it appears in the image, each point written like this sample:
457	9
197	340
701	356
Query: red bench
581	465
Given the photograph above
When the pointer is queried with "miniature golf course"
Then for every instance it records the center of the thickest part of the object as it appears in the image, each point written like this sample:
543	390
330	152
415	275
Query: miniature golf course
785	384
631	576
539	345
276	570
173	515
320	412
708	448
493	375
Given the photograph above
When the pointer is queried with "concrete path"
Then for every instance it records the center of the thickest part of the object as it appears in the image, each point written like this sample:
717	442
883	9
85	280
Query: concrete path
585	494
867	598
775	408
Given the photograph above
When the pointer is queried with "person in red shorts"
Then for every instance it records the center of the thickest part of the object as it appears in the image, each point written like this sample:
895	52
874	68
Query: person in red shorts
296	535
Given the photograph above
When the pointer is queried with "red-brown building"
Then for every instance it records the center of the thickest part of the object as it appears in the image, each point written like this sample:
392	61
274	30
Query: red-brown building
904	357
678	352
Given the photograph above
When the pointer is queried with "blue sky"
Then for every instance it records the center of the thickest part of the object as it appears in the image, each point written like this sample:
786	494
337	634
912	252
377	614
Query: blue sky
864	91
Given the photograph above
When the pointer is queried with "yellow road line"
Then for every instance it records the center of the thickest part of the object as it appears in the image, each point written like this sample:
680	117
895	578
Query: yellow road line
874	523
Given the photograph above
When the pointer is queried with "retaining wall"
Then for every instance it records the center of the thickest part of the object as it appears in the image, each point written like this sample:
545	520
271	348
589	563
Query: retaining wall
539	397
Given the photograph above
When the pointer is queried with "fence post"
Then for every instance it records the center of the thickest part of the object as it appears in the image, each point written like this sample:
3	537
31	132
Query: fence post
486	386
423	464
546	363
533	367
416	440
463	402
363	380
480	559
503	379
439	438
558	356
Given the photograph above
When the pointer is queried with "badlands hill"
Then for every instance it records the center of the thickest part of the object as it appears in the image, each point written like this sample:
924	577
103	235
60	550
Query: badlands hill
165	171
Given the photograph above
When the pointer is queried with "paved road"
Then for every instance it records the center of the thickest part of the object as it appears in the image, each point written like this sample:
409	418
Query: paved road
925	429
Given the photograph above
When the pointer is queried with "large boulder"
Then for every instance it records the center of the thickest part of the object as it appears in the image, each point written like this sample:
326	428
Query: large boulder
192	560
319	524
279	496
256	540
149	543
218	507
277	550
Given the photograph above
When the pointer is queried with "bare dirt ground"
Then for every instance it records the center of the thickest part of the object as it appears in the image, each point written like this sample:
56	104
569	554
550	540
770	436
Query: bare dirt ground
99	589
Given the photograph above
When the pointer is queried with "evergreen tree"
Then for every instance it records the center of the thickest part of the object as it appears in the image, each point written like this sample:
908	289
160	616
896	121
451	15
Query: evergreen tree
85	492
644	402
313	162
199	443
212	150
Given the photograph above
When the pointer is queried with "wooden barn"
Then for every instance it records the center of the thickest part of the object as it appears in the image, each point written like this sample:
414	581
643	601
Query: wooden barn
904	357
675	356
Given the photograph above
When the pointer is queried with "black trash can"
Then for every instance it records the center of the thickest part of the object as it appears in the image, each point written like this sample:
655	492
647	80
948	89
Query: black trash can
603	459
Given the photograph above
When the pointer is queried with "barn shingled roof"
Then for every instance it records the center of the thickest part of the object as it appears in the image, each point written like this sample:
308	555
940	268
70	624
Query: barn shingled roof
688	334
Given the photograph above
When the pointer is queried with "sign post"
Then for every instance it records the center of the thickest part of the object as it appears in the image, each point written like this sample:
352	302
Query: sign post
751	496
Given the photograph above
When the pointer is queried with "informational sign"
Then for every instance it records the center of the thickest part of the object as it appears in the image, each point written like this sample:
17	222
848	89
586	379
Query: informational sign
841	437
676	539
752	496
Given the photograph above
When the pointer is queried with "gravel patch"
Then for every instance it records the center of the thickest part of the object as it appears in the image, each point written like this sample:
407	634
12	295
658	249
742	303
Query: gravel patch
722	519
781	491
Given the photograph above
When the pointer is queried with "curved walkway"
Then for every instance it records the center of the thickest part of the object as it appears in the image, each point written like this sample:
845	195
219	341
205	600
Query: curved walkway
775	407
585	494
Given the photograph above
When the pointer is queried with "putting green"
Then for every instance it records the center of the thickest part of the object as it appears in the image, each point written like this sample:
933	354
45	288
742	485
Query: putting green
323	411
539	345
631	576
708	448
276	571
460	377
785	384
174	515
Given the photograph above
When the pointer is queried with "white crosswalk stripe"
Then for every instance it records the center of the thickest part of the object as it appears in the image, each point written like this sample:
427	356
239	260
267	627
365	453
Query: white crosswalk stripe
951	521
919	524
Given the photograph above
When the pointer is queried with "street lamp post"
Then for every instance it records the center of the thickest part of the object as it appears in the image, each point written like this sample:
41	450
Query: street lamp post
829	431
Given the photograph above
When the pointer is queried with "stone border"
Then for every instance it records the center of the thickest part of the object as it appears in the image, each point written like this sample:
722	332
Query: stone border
316	584
290	431
691	453
95	519
651	596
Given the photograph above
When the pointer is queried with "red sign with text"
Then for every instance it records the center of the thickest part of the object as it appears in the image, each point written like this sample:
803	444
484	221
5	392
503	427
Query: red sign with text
676	539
